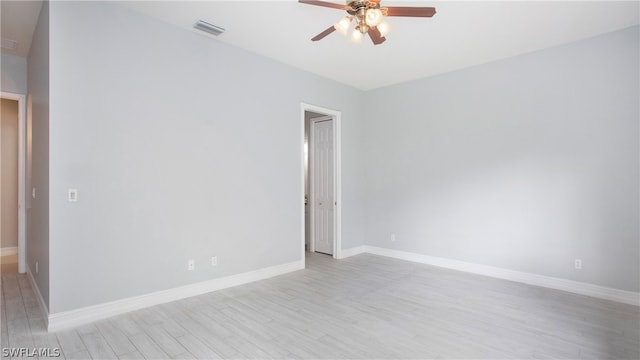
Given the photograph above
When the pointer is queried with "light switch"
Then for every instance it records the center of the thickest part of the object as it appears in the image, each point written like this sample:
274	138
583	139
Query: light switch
73	195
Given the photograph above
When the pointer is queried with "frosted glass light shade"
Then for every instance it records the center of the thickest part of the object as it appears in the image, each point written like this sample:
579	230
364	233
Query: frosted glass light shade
356	36
373	17
343	25
384	28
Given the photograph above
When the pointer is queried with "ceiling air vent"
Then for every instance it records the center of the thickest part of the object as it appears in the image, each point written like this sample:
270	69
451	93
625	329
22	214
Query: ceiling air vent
208	28
9	44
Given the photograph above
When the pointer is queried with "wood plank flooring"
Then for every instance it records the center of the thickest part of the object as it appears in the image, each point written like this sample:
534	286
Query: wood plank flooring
363	307
9	264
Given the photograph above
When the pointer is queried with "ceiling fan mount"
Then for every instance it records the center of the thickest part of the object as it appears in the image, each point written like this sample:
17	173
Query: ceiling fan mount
354	6
368	17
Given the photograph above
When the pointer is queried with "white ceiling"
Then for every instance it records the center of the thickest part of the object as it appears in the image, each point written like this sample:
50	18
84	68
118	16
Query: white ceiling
461	34
17	22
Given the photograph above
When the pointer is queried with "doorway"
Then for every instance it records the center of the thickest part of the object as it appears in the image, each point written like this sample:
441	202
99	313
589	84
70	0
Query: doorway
322	205
12	181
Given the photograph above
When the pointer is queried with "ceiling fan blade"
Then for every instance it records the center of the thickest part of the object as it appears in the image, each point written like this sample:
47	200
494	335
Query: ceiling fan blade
411	11
324	33
322	3
375	36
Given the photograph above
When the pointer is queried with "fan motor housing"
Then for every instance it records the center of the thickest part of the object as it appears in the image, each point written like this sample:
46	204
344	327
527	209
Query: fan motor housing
356	5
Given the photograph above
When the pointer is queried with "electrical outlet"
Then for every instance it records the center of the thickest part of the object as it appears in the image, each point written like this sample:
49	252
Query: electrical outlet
191	265
214	261
72	195
393	237
577	263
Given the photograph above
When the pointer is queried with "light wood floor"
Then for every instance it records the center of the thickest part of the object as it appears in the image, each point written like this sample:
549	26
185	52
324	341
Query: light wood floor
363	307
9	264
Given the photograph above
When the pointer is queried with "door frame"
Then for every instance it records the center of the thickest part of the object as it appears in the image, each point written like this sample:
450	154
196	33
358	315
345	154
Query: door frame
337	177
22	153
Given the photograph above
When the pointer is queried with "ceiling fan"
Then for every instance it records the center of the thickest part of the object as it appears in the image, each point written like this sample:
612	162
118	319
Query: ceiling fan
369	18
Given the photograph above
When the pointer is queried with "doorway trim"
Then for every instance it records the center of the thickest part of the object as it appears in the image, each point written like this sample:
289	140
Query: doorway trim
22	208
337	175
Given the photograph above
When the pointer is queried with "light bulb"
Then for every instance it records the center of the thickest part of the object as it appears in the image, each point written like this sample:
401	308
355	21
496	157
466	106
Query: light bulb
356	36
373	17
343	25
384	28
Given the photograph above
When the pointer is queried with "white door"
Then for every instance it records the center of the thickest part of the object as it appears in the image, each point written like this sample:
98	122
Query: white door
322	185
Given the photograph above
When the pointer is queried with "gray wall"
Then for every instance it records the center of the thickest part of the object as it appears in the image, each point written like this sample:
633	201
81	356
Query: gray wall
181	148
38	155
14	74
525	164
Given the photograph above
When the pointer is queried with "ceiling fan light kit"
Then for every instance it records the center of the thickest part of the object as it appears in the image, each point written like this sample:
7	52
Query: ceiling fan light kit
368	18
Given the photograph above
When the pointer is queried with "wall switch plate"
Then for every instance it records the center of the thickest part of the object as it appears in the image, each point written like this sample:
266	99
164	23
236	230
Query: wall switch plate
191	265
393	237
214	261
72	195
33	193
577	263
36	267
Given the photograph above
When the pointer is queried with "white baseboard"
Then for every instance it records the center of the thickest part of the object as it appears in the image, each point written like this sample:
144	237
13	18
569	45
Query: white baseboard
92	313
36	290
627	297
6	251
345	253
